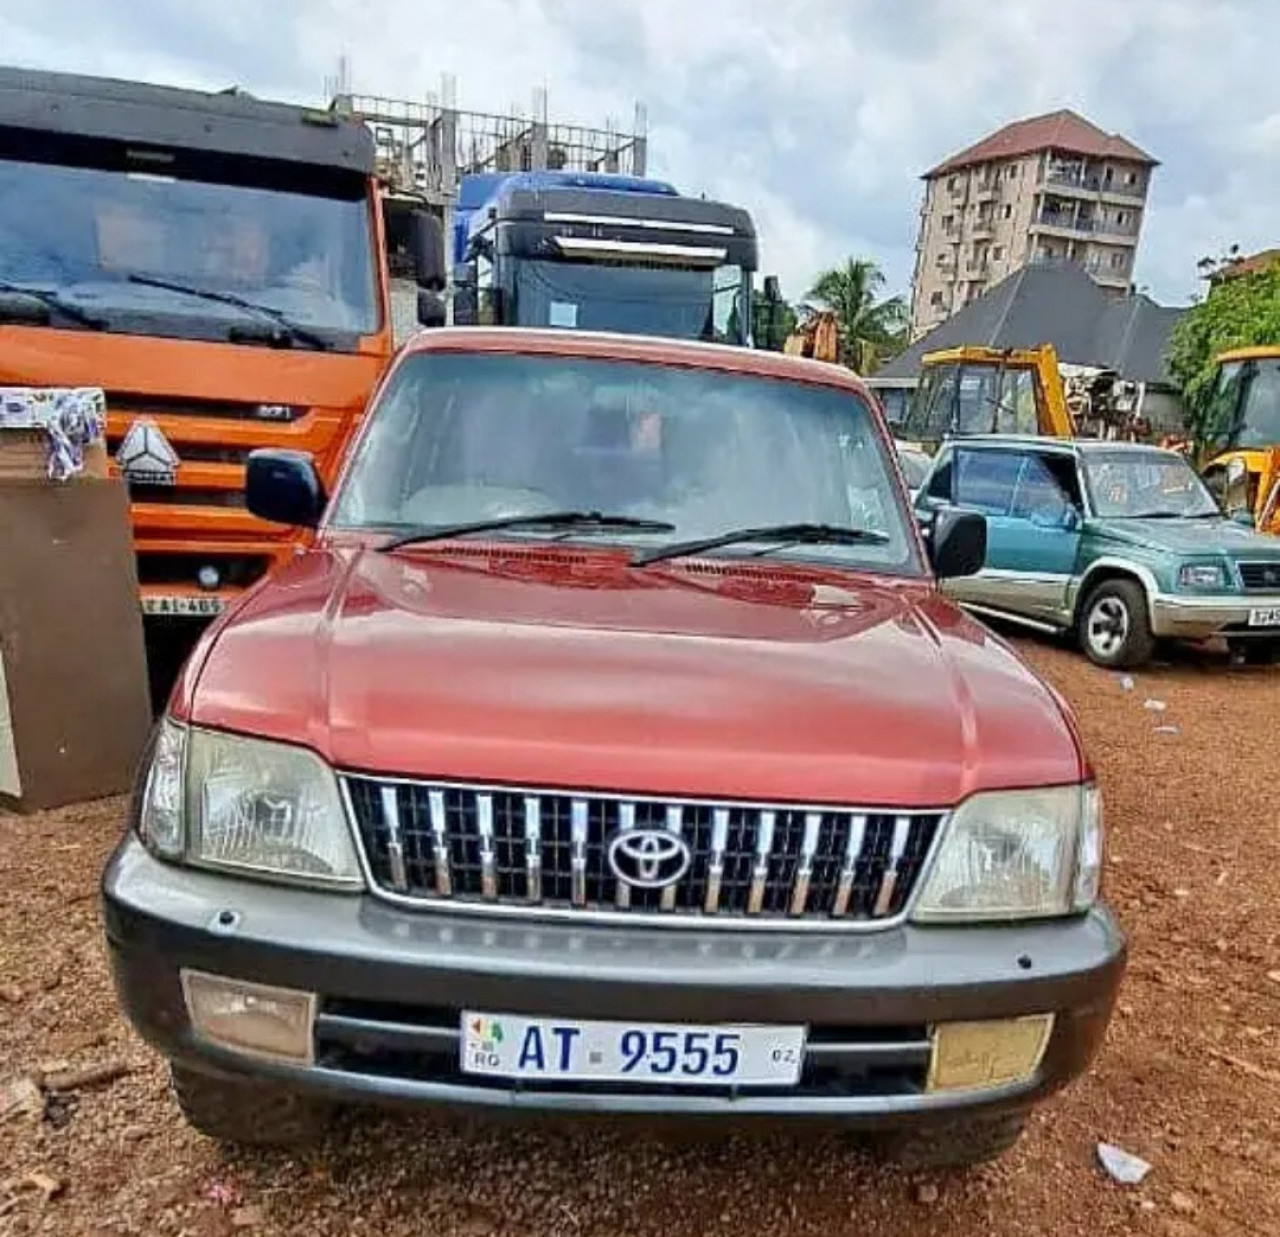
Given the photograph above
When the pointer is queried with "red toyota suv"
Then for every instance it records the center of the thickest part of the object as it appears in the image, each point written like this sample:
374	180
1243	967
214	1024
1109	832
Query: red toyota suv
611	748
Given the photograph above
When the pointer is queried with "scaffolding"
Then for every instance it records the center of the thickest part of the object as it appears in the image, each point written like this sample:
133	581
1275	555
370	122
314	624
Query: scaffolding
424	148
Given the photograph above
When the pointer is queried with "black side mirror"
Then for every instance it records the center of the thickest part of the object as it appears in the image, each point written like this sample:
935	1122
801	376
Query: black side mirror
426	246
430	309
957	543
284	487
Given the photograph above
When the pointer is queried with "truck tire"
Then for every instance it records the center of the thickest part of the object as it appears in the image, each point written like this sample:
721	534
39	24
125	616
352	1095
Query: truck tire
1115	625
247	1113
958	1143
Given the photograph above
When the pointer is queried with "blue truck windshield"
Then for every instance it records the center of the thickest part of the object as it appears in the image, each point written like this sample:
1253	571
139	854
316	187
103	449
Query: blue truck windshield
92	237
681	304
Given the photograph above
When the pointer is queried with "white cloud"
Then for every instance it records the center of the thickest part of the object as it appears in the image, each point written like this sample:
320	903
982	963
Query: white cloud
817	116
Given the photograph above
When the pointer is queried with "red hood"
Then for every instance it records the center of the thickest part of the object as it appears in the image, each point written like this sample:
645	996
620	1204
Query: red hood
548	667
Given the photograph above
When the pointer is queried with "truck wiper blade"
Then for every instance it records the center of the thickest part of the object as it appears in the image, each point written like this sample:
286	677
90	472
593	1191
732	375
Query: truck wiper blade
584	520
782	535
286	329
52	301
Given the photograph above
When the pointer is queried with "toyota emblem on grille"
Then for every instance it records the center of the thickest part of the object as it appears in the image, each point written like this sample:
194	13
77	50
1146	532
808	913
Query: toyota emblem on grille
649	858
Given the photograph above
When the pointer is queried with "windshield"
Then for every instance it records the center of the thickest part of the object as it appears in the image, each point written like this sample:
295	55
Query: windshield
456	438
972	399
88	234
1259	424
635	300
1130	484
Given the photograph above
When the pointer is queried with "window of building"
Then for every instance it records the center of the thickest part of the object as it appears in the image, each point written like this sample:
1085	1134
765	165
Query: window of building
1117	261
1131	179
1122	217
953	183
948	222
935	298
997	253
1011	171
942	259
1008	212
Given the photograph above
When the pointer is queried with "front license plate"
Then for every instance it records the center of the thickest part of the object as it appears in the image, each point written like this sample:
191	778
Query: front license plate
1268	617
657	1053
186	606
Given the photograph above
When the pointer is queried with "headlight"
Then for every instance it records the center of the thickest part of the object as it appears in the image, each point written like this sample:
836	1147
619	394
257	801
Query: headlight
247	805
1202	575
1024	854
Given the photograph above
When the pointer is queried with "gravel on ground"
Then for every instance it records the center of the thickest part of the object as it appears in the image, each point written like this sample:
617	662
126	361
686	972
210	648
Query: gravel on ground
1189	1079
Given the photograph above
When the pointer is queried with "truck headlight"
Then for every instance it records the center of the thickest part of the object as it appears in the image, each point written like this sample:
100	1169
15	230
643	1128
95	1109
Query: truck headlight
1018	854
247	805
1202	575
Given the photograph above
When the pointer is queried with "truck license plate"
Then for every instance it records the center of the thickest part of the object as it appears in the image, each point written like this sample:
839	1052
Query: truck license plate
661	1054
184	606
1268	617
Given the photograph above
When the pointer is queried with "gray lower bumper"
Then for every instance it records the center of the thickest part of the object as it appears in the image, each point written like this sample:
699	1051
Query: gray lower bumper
361	955
1198	618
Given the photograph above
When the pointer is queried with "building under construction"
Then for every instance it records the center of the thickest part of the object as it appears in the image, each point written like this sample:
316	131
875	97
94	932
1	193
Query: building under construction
424	149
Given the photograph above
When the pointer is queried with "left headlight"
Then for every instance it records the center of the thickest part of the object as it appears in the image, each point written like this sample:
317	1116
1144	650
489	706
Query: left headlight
1009	855
1202	575
247	805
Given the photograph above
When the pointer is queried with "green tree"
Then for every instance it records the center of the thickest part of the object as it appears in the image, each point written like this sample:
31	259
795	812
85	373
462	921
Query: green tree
870	329
1240	311
773	318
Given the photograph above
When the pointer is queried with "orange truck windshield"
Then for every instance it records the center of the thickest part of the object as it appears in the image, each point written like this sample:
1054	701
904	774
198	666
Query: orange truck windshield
139	251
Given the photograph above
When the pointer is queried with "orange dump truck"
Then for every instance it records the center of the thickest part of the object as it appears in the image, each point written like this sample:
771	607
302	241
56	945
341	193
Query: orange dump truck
216	264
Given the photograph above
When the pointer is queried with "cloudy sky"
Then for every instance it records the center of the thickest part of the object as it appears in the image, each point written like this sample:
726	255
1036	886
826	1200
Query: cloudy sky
817	115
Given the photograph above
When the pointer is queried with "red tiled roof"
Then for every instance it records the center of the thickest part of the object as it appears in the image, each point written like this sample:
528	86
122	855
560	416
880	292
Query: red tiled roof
1254	264
1062	130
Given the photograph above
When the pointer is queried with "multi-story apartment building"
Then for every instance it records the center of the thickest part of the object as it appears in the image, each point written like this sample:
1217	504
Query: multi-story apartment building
1051	189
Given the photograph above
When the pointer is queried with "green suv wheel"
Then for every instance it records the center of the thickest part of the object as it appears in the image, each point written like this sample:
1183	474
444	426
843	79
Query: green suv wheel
1115	625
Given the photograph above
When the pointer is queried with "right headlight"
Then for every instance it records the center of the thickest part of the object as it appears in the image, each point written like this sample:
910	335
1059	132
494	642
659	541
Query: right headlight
251	806
1018	854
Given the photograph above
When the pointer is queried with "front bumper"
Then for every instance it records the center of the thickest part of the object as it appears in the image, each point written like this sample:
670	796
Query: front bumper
391	983
1198	618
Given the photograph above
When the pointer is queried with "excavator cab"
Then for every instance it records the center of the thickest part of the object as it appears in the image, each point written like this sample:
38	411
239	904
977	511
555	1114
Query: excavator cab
1241	458
972	390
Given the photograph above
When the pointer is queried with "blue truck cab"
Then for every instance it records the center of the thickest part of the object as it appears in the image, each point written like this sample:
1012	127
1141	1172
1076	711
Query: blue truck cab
601	252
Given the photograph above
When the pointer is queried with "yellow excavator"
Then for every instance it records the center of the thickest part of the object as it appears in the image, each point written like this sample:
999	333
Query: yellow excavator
1241	458
978	390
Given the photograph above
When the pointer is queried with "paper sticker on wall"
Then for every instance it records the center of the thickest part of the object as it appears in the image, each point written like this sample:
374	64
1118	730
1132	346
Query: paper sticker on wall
563	313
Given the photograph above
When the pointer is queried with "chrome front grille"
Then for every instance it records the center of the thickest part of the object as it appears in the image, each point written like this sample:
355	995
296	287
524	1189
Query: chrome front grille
549	851
1260	577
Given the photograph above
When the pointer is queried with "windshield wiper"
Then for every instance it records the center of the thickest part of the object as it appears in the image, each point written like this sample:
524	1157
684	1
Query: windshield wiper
586	521
286	330
53	302
782	535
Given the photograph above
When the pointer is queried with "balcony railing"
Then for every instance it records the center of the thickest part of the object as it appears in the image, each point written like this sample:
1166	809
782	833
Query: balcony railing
1091	182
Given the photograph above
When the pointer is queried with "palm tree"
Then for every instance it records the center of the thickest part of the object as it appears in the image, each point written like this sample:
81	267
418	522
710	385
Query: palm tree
870	329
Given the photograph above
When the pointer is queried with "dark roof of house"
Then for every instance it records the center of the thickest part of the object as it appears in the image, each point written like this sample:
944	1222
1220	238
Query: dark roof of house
1062	306
1061	130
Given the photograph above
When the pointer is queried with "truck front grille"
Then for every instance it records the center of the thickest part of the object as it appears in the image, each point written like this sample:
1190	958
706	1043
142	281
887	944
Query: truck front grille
1260	577
562	852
